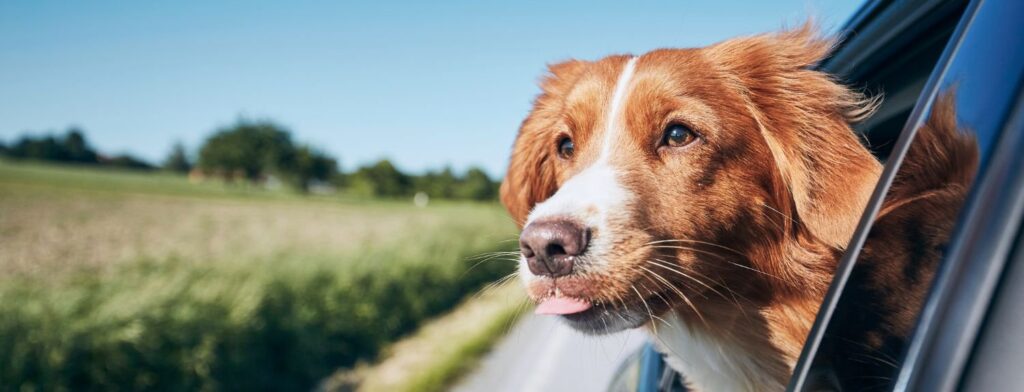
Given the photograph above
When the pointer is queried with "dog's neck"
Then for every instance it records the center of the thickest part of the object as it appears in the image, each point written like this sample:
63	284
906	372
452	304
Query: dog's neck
717	360
750	351
743	345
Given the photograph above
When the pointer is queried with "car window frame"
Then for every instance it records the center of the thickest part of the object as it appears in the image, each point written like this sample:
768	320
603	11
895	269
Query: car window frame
983	240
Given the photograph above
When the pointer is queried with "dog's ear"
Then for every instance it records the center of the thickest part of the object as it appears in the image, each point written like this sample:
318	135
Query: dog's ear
805	116
530	178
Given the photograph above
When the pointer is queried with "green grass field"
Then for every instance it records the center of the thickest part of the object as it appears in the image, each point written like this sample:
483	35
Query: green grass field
443	350
119	280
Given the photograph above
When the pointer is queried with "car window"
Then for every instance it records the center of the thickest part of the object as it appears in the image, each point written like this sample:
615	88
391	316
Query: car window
857	340
949	135
986	76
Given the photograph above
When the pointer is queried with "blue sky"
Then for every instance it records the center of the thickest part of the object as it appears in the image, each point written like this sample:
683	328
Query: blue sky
425	84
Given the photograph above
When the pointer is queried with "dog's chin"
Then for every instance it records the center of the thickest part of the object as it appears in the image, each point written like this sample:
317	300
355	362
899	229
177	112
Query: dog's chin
604	319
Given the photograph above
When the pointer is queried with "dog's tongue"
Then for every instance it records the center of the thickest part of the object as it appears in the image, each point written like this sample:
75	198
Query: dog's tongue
562	305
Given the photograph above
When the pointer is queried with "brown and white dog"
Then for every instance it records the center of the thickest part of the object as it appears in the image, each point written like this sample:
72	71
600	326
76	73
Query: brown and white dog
703	193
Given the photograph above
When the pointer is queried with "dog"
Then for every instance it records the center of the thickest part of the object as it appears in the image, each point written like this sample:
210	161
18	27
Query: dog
704	194
707	194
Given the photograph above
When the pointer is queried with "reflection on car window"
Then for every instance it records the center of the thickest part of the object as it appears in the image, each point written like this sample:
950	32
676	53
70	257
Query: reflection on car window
879	308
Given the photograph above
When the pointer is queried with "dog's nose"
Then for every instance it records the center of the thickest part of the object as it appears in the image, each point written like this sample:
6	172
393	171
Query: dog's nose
551	246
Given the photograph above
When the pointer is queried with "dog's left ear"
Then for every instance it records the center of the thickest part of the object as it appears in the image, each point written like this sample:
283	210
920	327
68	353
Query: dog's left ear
805	116
530	178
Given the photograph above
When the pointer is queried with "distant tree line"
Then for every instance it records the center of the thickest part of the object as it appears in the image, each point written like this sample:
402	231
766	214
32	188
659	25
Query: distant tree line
261	152
255	151
383	179
71	147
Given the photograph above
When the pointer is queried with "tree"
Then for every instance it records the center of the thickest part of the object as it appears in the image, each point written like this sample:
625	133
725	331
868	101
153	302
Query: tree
251	149
44	148
256	150
127	161
76	149
310	165
72	147
177	161
437	184
477	186
381	179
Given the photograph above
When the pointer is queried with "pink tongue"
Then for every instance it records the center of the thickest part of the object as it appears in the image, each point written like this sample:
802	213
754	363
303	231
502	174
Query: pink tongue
562	305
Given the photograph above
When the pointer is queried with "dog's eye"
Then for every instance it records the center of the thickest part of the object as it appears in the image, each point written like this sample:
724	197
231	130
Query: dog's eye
678	135
566	148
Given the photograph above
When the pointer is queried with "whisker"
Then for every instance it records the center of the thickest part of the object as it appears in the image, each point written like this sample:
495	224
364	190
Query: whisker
497	253
733	295
663	321
881	356
753	269
720	284
622	301
678	270
786	223
495	284
718	256
875	358
519	314
698	242
681	295
498	256
667	266
502	280
649	312
773	209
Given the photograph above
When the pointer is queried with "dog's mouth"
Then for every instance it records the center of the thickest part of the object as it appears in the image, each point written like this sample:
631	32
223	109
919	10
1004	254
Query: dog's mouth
599	318
607	318
563	306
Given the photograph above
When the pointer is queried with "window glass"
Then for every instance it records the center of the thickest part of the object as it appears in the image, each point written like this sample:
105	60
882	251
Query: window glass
864	343
899	79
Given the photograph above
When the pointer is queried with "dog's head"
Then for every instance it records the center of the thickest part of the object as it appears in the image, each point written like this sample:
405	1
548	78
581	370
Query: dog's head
660	181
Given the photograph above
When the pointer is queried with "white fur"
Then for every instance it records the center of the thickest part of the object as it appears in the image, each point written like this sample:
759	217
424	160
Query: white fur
595	192
710	364
613	123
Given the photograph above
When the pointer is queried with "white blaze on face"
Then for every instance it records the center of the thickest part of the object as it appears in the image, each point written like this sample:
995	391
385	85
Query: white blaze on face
595	192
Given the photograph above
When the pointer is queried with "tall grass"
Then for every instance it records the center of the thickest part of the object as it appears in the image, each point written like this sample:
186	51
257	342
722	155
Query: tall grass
281	317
